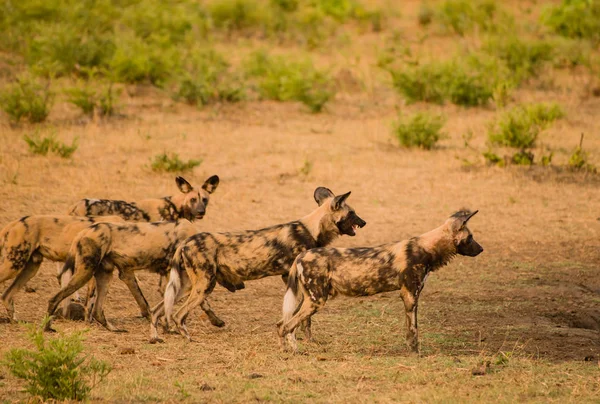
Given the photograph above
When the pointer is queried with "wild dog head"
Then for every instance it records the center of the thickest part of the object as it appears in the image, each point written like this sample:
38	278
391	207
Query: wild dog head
193	202
338	212
462	236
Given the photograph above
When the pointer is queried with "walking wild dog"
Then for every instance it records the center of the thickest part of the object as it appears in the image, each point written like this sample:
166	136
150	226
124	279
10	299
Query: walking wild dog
323	272
27	241
203	259
190	204
128	247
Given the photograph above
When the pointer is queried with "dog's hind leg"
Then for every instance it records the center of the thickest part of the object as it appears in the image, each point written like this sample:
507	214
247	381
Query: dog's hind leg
129	278
103	279
202	288
212	317
81	277
30	270
307	309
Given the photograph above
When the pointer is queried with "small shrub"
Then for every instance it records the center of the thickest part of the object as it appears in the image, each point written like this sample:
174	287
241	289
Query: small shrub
55	369
82	97
43	145
523	57
419	130
493	158
579	159
523	158
172	163
575	19
462	16
108	100
425	14
283	80
238	14
520	126
27	98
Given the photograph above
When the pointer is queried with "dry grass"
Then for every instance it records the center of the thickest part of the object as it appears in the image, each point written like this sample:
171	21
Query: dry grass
532	297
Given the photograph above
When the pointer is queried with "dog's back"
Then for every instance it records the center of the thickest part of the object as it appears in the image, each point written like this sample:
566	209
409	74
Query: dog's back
105	207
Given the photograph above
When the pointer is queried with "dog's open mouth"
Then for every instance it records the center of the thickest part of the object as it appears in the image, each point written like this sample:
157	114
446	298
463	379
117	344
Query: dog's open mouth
199	216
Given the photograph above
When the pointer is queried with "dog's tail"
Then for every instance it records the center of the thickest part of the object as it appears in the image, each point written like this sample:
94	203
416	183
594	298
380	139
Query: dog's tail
174	285
291	300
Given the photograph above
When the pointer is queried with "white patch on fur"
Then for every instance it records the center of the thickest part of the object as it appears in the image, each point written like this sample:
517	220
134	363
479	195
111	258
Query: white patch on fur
289	305
299	269
171	291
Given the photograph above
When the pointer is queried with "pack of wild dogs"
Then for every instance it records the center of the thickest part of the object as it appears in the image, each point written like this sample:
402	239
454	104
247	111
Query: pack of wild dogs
162	236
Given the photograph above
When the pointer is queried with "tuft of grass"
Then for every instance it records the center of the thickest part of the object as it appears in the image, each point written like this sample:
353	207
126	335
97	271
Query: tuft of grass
520	126
469	82
463	16
55	368
419	130
27	98
208	79
523	158
281	79
172	163
426	13
43	145
83	97
575	19
579	160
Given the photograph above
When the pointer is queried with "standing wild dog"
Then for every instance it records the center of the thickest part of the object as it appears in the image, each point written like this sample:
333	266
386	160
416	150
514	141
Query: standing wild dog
190	204
27	241
203	259
129	247
323	272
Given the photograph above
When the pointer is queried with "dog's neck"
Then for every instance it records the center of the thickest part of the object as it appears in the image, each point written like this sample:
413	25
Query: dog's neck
168	208
321	226
438	246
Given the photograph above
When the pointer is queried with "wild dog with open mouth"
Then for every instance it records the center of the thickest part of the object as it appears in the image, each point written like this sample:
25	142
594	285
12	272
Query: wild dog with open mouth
27	241
129	247
319	273
190	204
203	259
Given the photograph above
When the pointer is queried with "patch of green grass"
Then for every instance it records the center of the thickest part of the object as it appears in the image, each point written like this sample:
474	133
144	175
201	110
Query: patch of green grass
520	126
279	78
42	145
208	79
88	99
27	98
55	368
463	16
172	163
83	97
419	130
579	160
575	19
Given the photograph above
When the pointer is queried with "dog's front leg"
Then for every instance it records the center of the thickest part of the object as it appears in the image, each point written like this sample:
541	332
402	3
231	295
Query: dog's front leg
412	331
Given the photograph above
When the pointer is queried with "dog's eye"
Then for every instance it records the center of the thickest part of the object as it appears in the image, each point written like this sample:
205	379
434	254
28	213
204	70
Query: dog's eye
193	200
205	201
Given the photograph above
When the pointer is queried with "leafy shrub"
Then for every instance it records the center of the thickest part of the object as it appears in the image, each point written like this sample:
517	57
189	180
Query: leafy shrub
468	82
579	159
108	100
523	57
575	19
523	158
520	126
238	14
462	16
27	98
207	79
172	163
43	145
83	97
283	80
425	14
419	130
55	369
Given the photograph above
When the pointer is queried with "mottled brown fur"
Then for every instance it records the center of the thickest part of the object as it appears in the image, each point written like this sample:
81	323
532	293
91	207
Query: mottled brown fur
202	260
24	243
320	273
126	246
190	204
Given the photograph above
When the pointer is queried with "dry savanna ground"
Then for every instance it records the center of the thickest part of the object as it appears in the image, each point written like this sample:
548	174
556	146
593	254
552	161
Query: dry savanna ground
520	322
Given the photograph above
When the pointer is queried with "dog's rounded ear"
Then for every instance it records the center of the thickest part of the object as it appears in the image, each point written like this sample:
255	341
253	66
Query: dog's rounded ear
460	219
321	194
183	185
339	200
211	184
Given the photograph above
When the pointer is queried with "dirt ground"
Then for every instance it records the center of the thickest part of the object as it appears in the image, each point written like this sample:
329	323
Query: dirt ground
533	295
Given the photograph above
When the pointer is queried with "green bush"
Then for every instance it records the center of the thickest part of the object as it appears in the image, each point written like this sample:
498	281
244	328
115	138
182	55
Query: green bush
55	369
579	160
27	98
523	57
575	19
463	81
462	16
239	15
425	14
520	126
172	163
419	130
43	145
282	79
207	79
83	97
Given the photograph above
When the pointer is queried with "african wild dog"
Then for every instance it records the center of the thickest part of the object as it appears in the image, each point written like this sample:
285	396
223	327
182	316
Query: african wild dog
129	247
27	241
323	272
190	204
203	259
